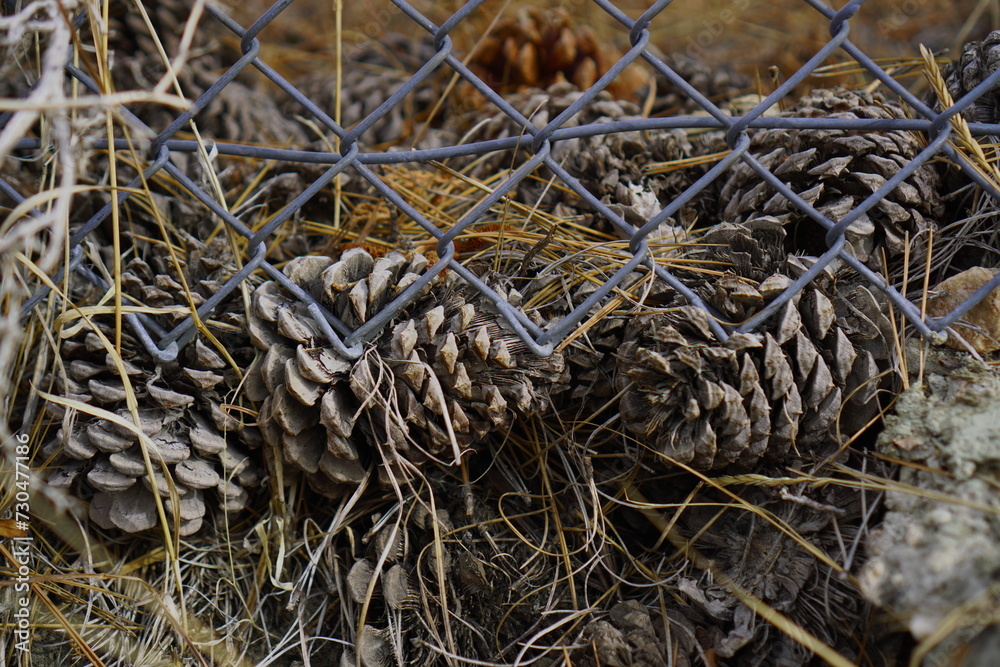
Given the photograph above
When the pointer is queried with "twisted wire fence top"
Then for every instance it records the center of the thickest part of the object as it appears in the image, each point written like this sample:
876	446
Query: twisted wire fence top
539	141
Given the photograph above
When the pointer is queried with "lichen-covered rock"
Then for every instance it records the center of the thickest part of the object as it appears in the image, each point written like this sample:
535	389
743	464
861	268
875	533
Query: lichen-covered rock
937	552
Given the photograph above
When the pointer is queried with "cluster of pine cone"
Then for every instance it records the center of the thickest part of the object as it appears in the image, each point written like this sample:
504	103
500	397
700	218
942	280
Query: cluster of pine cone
448	375
448	371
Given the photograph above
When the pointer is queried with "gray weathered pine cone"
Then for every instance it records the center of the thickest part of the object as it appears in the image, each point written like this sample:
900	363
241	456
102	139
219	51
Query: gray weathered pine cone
963	249
773	565
539	107
394	595
709	404
978	61
834	171
627	636
240	112
372	72
610	166
444	374
716	82
496	599
180	410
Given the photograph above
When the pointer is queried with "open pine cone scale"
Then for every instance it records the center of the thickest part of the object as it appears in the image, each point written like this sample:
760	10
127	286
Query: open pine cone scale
433	383
834	171
197	448
707	404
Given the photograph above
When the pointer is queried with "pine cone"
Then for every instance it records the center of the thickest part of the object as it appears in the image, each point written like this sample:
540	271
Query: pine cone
392	595
962	249
541	106
718	84
239	112
437	380
629	637
612	167
180	411
372	72
777	568
496	597
978	61
834	171
138	63
540	48
709	404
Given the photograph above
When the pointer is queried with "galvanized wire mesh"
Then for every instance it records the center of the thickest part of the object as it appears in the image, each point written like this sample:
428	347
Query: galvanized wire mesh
164	343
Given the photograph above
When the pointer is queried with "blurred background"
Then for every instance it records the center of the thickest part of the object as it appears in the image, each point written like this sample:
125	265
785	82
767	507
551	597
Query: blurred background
749	35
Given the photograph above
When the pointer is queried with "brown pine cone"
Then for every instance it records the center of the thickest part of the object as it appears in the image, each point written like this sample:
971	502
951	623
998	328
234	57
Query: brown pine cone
978	61
709	404
540	48
444	374
200	445
834	171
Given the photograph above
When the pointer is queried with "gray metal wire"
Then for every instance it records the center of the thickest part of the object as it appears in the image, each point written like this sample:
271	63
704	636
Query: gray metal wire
164	344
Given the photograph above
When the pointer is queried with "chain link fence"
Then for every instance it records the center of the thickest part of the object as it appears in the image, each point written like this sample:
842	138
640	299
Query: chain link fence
163	150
